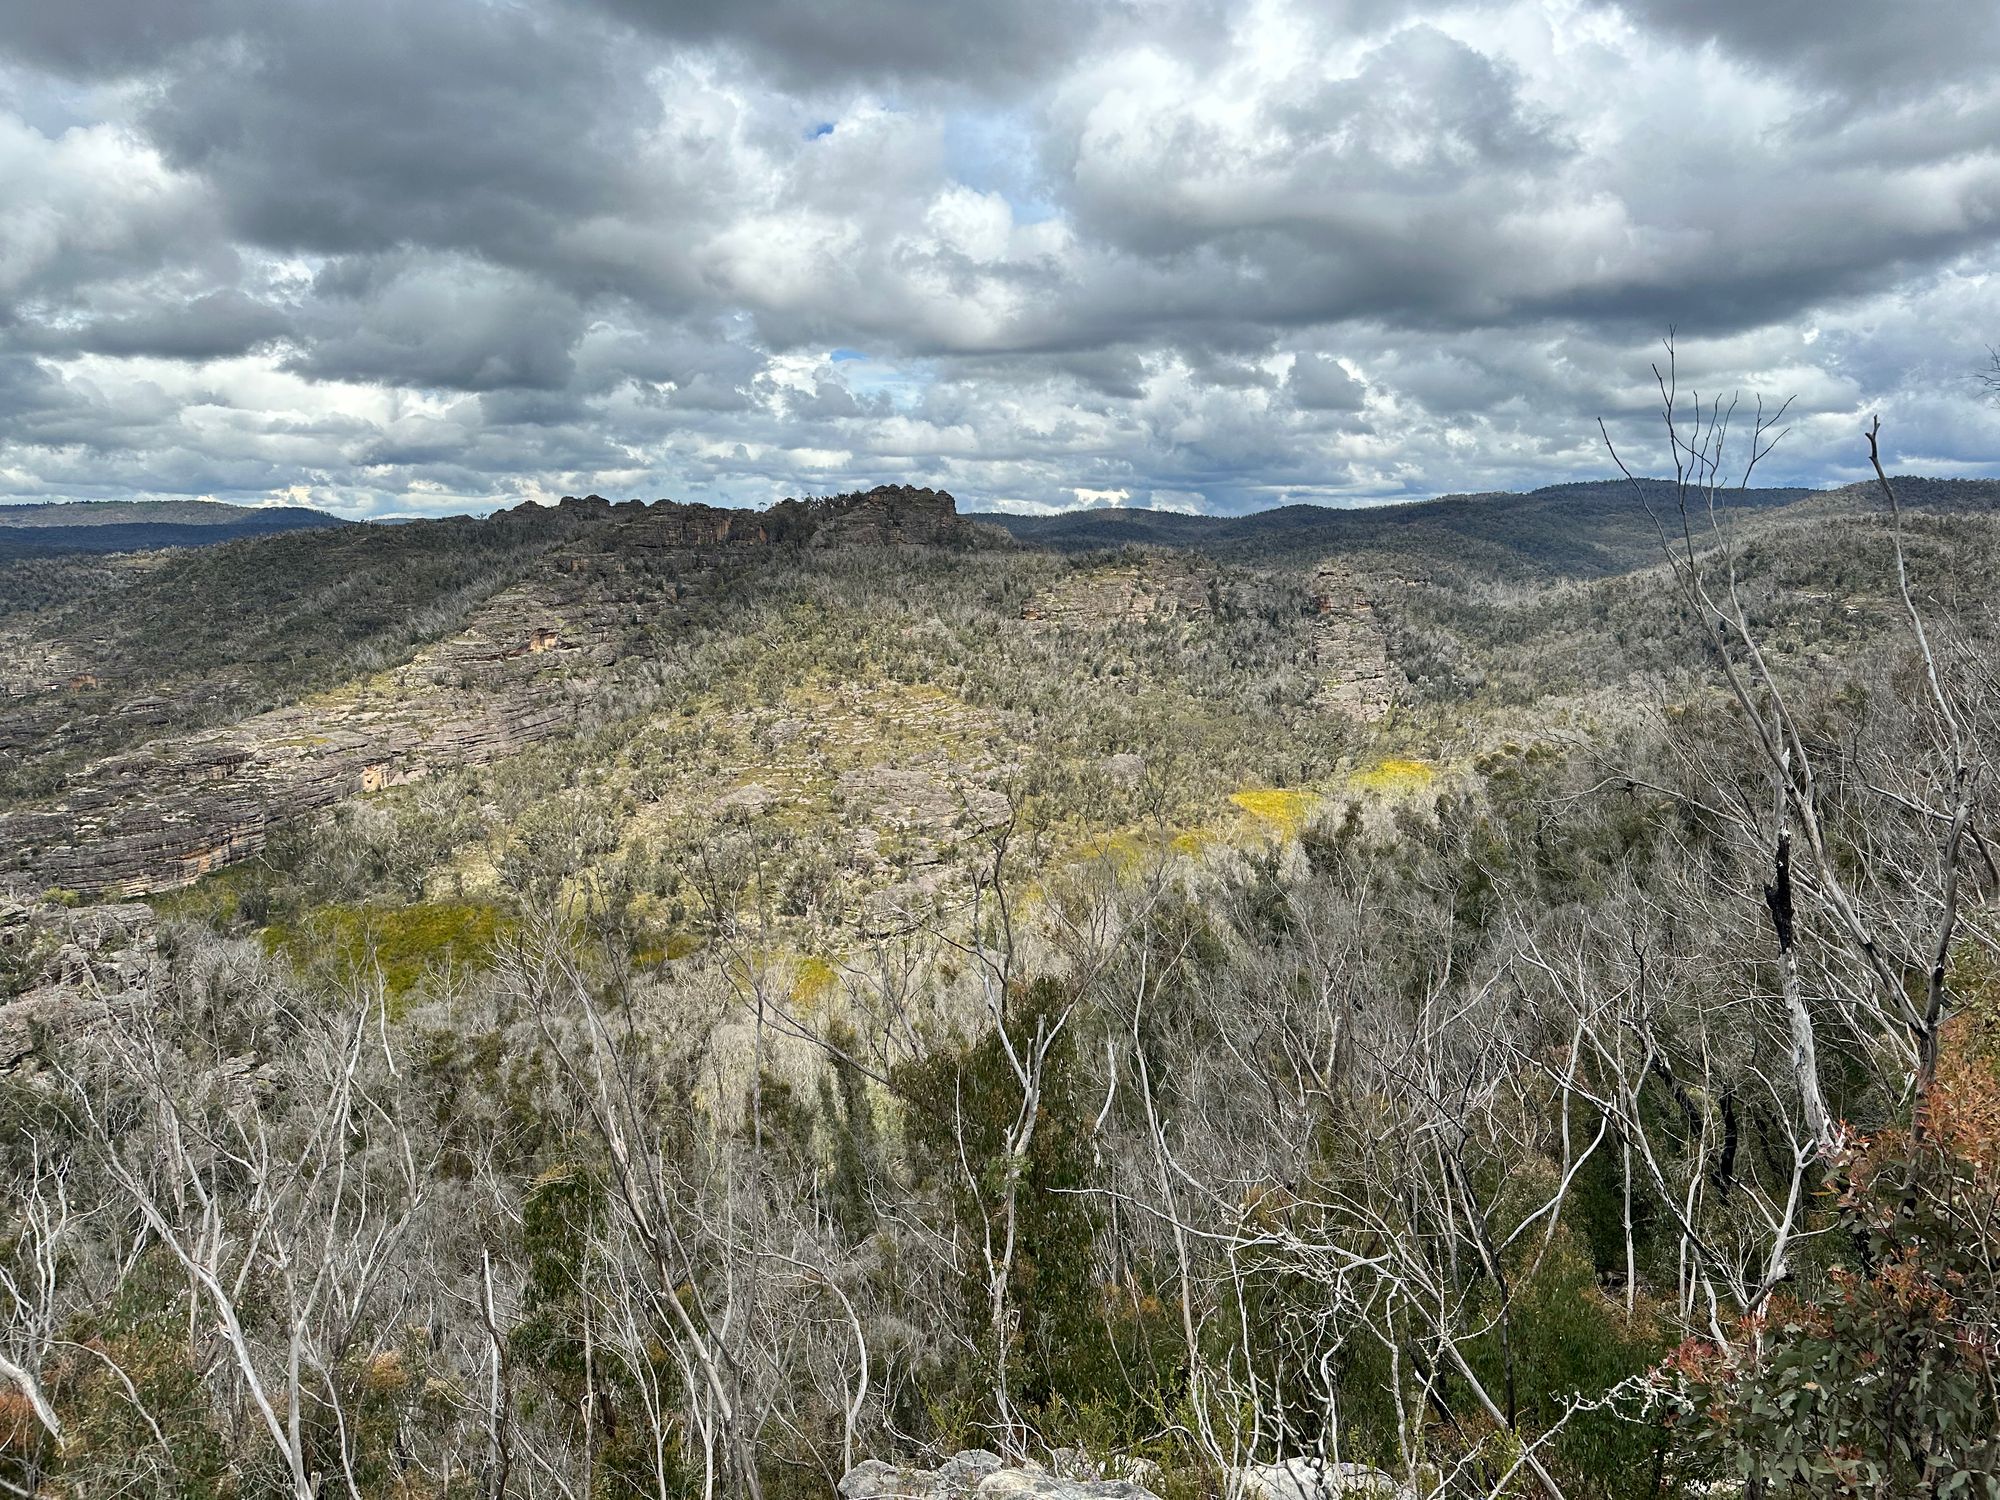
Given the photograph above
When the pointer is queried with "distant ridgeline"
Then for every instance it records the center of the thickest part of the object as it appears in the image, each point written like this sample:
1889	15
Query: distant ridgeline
142	525
885	515
1571	530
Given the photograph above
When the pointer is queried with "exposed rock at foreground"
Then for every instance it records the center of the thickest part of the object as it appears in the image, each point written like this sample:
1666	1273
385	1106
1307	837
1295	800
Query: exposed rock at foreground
980	1475
1317	1479
986	1476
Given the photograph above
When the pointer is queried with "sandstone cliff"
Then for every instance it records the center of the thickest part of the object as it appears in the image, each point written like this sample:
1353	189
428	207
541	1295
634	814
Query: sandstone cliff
1357	676
888	515
1349	648
1150	588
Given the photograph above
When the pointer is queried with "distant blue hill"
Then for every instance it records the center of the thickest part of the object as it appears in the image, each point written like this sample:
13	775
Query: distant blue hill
28	531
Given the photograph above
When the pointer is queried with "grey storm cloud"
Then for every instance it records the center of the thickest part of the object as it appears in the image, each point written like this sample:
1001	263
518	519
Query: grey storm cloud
112	37
1842	50
390	257
1317	382
883	41
443	321
368	124
212	326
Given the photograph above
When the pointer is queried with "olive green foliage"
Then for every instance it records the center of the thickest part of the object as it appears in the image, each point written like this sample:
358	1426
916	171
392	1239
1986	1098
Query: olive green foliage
142	1333
401	944
793	680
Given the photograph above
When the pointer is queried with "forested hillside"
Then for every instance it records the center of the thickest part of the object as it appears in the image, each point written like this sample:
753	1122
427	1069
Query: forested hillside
624	1000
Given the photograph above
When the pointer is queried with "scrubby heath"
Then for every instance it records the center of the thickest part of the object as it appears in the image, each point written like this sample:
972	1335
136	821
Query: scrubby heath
1524	1025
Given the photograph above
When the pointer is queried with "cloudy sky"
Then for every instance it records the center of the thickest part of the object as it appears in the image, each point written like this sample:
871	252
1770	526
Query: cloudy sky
397	256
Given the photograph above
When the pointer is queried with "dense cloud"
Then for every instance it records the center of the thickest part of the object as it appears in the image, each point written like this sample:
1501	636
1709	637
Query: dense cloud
393	258
883	42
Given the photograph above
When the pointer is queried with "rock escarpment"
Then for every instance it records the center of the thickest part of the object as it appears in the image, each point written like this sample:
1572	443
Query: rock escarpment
1159	588
1349	647
886	516
176	808
892	515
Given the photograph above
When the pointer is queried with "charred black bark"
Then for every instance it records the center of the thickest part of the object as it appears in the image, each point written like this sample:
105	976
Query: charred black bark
1778	895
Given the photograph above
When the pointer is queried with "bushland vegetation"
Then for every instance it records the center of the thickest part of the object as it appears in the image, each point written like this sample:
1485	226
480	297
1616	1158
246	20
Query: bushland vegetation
1589	1087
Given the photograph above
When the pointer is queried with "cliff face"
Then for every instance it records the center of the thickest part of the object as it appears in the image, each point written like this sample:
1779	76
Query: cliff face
1155	588
1350	653
1357	676
173	809
893	515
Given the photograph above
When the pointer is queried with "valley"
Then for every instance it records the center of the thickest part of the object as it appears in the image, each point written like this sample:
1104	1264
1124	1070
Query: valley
1263	849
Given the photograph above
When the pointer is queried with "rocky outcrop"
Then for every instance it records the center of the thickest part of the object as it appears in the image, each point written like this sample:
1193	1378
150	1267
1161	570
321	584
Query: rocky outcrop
1319	1479
912	824
1349	648
889	515
931	797
1124	594
62	970
672	526
170	813
1357	677
180	807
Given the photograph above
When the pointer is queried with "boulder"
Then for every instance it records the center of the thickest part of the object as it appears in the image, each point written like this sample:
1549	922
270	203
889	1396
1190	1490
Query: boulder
1319	1479
980	1475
